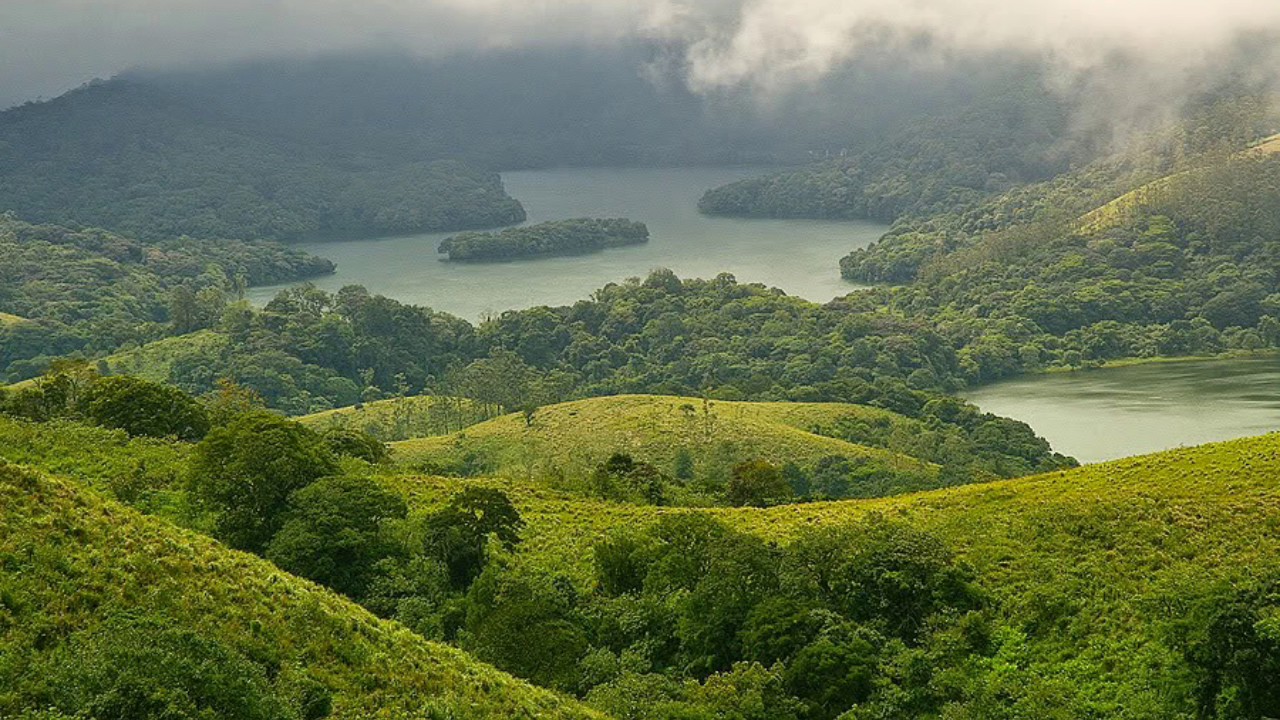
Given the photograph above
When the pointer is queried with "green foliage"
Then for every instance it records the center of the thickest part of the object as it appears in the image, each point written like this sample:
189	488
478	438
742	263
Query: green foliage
559	237
149	669
89	291
123	607
881	572
333	532
622	478
757	483
245	472
1053	275
142	160
357	444
1234	648
524	624
458	534
145	408
858	451
956	157
401	418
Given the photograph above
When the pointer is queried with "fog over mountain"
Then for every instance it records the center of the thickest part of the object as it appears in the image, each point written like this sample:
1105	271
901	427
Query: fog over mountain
1153	48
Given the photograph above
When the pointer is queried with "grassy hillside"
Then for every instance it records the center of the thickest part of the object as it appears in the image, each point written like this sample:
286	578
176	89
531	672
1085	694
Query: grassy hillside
154	361
7	319
72	564
1095	569
400	418
1117	211
570	439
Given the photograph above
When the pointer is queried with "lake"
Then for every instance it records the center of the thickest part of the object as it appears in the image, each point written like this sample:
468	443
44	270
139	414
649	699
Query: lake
799	256
1104	414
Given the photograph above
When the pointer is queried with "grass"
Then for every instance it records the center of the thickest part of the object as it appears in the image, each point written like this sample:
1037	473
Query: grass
70	559
1093	568
1095	565
571	439
142	471
400	418
8	319
1116	211
154	360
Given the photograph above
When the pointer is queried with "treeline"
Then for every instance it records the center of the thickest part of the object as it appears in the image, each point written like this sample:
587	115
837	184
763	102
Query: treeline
142	161
308	350
92	292
559	237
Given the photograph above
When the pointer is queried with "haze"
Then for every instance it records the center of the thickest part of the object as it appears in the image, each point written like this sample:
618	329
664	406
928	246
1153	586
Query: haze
49	46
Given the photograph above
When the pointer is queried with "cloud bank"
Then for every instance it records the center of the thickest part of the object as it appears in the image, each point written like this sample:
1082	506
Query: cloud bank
48	46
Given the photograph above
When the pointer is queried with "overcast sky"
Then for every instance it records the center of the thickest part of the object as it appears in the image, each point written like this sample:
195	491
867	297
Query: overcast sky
49	46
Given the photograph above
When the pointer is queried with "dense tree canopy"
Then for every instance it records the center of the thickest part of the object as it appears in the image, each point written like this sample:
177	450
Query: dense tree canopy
559	237
244	474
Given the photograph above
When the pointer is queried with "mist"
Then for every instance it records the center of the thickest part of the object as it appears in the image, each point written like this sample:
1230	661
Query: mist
1123	59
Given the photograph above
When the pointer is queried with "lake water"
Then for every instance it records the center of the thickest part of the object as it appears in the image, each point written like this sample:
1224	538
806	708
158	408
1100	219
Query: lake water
1105	414
801	257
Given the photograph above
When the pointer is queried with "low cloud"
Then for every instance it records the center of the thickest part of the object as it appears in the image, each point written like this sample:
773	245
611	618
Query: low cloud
1133	51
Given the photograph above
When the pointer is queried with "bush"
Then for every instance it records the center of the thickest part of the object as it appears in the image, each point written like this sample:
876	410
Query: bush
245	472
333	532
143	669
145	408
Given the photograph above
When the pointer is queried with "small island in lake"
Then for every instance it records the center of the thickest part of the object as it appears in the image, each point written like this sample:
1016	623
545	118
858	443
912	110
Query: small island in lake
559	237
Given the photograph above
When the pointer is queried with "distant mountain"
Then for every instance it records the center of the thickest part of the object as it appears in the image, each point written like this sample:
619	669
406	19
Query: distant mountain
139	159
380	144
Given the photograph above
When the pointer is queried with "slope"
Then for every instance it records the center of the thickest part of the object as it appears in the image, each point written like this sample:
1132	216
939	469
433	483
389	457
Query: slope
70	562
1098	572
137	158
571	439
400	418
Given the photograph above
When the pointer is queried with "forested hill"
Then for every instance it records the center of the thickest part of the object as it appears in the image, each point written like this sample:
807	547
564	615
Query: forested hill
369	145
954	158
559	237
140	159
65	291
1155	576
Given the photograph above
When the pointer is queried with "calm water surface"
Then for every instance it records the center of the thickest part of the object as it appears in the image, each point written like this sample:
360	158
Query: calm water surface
800	257
1105	414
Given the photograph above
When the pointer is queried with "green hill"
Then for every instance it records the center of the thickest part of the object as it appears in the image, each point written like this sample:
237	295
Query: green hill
74	566
154	361
1100	572
400	418
143	160
570	439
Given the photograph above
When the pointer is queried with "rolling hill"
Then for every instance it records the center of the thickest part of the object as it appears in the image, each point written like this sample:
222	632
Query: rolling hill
1099	571
570	439
400	418
74	568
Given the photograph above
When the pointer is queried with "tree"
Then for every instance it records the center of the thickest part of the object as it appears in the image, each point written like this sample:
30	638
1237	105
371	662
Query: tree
757	483
245	472
458	535
621	477
231	401
357	444
524	623
145	408
1234	649
882	572
145	668
333	532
